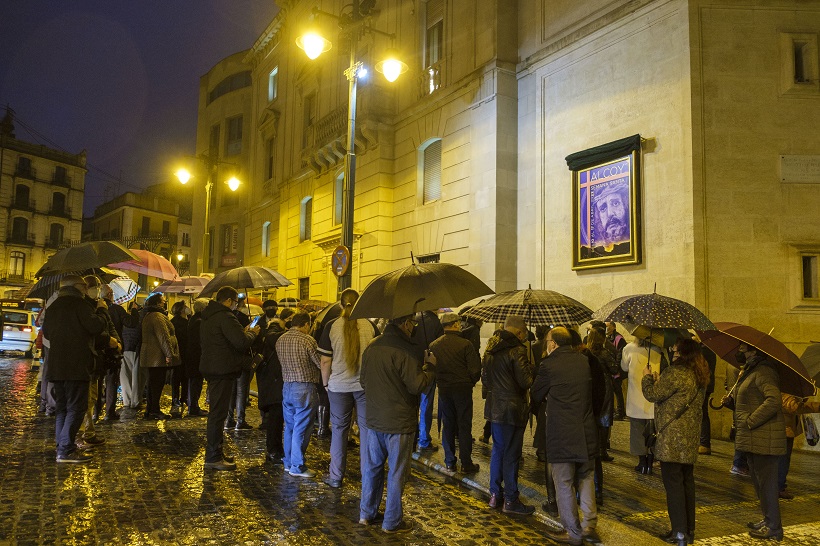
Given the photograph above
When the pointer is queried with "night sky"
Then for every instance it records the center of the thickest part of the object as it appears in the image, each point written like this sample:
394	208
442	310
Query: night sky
118	78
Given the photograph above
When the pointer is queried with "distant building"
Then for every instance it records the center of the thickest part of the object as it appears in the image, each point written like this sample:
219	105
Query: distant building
41	194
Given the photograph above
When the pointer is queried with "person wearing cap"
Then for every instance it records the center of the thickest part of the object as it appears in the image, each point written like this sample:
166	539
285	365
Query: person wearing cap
459	369
72	325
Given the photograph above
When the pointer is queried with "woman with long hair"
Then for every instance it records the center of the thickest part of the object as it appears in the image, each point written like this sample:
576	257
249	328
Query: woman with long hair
341	346
678	396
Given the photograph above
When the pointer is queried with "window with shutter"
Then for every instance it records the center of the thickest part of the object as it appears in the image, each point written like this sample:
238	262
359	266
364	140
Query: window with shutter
432	172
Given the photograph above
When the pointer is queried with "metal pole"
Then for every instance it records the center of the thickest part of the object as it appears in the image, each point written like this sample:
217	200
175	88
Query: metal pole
206	236
349	192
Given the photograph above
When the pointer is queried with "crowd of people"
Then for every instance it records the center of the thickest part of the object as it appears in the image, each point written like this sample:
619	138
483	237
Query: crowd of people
380	380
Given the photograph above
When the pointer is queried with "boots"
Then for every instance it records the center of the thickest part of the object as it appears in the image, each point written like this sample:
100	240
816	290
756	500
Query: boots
324	422
640	468
650	459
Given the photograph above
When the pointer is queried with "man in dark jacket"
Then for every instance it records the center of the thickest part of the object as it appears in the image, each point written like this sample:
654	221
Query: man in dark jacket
392	377
190	359
225	346
761	434
269	381
507	375
71	325
565	380
458	370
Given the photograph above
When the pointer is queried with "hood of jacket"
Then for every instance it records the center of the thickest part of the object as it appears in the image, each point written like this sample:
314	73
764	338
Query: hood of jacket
502	340
214	308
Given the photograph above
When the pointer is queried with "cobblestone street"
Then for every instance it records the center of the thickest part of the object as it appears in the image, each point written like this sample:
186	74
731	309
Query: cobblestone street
147	485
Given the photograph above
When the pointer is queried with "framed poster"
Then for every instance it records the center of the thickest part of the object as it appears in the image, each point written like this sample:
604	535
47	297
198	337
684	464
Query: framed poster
606	211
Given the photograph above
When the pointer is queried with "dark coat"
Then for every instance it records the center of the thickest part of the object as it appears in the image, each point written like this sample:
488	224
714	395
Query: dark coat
71	326
507	376
181	332
122	318
194	346
457	362
105	357
225	344
679	441
603	393
393	378
269	380
565	381
759	410
158	340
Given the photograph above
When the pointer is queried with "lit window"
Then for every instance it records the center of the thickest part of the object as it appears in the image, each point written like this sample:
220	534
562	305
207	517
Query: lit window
273	82
17	263
431	171
305	219
266	239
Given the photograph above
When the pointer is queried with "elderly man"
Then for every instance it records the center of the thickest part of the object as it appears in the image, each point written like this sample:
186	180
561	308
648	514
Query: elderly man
507	374
72	325
459	369
299	356
393	378
564	380
225	347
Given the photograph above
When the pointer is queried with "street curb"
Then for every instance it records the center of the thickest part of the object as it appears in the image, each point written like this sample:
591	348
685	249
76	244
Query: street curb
526	492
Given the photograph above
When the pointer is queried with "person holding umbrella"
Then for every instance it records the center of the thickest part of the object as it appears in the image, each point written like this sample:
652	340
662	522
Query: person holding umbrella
761	434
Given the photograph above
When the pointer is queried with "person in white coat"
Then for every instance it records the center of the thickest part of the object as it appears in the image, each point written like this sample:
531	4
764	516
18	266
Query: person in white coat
641	413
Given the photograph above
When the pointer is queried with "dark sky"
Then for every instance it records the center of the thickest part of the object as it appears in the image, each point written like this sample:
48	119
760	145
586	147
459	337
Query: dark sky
118	78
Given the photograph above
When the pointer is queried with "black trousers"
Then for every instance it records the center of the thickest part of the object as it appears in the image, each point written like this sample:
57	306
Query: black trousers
679	482
112	383
179	384
194	391
764	476
618	391
275	427
221	391
456	407
706	424
156	382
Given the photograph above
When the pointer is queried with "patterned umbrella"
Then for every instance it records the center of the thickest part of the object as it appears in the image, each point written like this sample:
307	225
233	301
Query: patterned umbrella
183	285
654	311
86	256
245	277
150	264
124	289
659	337
725	338
538	307
418	287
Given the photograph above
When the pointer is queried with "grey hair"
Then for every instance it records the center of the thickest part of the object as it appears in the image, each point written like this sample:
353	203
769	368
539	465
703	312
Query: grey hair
515	321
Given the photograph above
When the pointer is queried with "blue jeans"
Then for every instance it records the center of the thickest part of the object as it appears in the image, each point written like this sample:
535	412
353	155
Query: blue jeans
299	410
71	403
341	413
505	458
395	449
426	415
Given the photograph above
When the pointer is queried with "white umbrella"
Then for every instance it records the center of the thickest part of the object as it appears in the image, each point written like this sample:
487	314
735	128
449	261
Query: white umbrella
124	289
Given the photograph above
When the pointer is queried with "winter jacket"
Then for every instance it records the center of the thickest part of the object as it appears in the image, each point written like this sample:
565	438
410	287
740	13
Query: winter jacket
633	361
602	389
122	318
105	357
393	378
759	410
793	408
457	361
181	332
676	386
194	352
225	344
158	340
564	379
269	372
507	375
72	326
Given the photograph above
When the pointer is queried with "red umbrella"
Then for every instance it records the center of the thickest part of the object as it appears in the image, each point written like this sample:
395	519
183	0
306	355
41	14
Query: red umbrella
728	336
150	264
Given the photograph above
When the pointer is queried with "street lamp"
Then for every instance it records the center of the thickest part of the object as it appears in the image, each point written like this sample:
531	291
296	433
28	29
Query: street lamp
183	175
352	27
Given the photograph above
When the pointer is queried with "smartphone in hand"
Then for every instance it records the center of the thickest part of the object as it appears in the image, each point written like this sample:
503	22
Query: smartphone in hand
255	321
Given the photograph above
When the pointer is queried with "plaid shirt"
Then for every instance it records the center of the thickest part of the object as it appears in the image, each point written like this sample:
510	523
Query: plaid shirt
299	357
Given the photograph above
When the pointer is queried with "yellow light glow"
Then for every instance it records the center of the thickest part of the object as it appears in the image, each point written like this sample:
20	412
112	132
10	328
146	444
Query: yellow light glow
313	44
183	175
233	183
179	257
156	283
392	67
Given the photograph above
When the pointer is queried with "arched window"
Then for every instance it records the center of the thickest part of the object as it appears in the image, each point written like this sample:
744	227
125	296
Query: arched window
305	219
55	234
338	198
430	170
21	195
58	203
17	263
19	229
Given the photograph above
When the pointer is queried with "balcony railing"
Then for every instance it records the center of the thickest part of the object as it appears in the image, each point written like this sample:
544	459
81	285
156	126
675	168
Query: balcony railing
24	204
63	212
25	172
55	243
64	181
15	276
21	239
331	126
431	79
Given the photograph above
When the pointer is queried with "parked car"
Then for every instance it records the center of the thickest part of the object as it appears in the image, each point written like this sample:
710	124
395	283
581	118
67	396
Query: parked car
19	331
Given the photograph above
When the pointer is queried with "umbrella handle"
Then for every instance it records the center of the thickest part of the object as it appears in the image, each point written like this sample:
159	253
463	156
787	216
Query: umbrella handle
714	407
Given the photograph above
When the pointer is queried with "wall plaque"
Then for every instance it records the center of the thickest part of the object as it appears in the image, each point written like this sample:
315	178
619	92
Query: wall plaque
800	169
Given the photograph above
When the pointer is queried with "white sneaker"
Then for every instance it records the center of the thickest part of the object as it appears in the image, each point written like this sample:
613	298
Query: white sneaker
306	473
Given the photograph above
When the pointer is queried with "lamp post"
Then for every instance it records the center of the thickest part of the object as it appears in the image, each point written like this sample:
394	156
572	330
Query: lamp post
314	45
233	183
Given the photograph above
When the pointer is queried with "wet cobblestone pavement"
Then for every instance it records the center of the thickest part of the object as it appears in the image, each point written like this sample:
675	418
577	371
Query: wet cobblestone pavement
147	485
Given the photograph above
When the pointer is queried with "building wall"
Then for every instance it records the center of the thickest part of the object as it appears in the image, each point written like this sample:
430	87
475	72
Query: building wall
607	75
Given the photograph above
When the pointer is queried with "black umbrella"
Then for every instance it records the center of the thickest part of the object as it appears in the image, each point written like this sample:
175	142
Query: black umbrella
245	277
418	287
47	285
86	256
538	307
811	359
653	311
